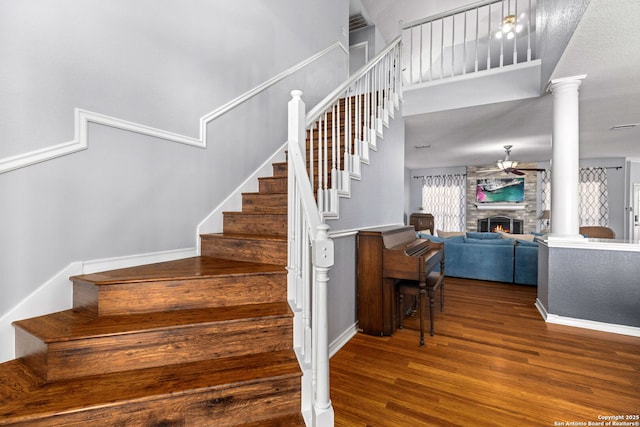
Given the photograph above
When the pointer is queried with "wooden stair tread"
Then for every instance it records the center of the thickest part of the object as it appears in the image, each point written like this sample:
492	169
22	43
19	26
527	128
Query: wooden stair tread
239	213
242	236
195	267
26	398
72	325
290	420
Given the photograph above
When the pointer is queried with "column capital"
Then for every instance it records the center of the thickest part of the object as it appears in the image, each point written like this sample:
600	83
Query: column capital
565	81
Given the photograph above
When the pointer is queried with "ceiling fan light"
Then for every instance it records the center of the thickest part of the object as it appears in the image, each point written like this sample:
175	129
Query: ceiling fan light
507	164
510	35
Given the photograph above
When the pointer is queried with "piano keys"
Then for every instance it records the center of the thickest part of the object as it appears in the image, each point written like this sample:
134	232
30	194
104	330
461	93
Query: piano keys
385	256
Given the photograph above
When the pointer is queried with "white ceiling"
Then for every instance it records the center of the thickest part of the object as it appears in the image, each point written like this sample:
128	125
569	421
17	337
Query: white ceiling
605	47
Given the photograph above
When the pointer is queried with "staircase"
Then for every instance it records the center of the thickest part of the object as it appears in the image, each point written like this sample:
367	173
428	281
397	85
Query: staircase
228	338
199	341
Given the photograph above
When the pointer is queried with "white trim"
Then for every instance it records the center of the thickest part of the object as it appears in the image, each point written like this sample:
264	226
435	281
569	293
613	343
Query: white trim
354	231
56	294
592	244
535	63
500	206
105	264
82	118
342	339
586	324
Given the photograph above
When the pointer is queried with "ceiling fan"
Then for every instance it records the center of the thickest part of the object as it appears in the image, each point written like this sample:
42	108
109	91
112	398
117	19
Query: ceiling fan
509	166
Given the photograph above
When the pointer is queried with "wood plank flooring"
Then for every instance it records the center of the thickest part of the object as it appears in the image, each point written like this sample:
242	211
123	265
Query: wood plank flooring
492	362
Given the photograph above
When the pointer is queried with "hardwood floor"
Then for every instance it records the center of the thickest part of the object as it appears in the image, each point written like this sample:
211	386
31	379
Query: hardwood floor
492	362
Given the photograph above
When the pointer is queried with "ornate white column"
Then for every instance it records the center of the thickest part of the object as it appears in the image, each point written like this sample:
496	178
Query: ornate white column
565	145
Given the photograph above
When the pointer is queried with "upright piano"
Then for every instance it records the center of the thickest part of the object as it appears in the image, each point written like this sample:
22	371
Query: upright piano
385	256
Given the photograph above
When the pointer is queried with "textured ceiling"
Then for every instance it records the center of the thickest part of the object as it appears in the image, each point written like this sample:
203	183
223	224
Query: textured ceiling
605	47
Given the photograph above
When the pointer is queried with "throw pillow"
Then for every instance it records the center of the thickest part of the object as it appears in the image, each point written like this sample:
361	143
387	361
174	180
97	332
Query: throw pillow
528	237
450	233
435	239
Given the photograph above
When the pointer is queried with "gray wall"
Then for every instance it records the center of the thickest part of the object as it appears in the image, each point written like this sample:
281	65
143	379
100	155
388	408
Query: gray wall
162	64
591	284
377	199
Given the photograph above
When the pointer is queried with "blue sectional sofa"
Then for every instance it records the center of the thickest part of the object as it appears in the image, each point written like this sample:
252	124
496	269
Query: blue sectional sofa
490	256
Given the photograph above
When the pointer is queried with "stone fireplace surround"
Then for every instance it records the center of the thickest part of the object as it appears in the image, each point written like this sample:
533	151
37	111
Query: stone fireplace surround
527	215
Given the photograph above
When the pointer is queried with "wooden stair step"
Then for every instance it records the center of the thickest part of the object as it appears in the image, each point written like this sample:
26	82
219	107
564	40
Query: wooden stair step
272	185
255	223
280	169
247	247
231	391
291	420
264	203
75	343
190	283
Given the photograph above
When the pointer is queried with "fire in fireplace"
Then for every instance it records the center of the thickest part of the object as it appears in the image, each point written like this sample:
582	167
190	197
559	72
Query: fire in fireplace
500	223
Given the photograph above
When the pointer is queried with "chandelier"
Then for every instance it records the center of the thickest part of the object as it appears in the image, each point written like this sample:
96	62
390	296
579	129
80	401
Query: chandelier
509	27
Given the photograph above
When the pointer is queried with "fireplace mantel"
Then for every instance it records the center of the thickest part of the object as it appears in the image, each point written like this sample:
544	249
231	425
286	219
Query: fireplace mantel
501	206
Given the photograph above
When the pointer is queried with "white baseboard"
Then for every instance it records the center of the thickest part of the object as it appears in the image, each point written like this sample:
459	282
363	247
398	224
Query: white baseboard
587	324
56	294
342	339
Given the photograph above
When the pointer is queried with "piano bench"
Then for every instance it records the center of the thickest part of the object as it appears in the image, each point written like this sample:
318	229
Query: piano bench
434	281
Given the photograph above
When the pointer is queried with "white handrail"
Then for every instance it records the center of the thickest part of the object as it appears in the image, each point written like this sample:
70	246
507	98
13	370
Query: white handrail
267	84
450	12
330	99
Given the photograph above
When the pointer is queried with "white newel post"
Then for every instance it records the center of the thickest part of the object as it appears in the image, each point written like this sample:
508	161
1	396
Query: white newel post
565	222
323	261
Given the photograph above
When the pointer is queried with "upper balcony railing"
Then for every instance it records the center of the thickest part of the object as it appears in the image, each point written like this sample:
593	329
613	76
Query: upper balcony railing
482	36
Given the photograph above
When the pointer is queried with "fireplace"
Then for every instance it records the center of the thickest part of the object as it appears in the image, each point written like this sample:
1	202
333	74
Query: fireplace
500	223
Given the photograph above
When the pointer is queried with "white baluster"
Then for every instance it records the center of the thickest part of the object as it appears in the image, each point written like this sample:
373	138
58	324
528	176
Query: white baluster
453	44
431	50
529	32
489	37
320	197
464	45
502	41
515	34
325	167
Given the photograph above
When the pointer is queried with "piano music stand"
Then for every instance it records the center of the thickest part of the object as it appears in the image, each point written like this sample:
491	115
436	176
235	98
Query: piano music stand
434	281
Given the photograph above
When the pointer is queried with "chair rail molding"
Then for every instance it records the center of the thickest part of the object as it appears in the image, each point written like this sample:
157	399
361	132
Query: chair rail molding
82	118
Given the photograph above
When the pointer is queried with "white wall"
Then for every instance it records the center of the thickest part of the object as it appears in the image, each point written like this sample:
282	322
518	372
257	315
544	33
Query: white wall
556	22
163	64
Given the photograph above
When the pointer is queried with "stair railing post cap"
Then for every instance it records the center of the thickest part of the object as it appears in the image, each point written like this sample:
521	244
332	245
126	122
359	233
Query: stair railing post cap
296	93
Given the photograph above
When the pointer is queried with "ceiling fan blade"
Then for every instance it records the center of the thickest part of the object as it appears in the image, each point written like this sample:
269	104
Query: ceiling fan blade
489	171
514	171
531	169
